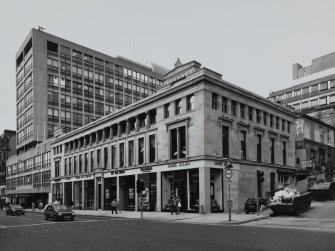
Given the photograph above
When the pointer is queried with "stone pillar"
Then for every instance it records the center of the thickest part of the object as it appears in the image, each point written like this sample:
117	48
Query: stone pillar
102	197
117	188
238	109
95	193
96	137
103	135
83	203
128	127
254	115
73	190
280	123
188	189
147	120
136	195
262	117
79	143
178	143
204	189
159	191
228	105
91	140
63	188
268	119
137	124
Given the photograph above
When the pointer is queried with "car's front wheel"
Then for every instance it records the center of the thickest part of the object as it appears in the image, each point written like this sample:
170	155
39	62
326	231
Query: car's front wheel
247	212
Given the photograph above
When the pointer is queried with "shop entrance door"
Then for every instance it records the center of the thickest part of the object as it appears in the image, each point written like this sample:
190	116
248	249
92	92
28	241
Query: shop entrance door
99	196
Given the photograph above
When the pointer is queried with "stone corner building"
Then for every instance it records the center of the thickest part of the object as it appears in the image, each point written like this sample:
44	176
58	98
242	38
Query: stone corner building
175	140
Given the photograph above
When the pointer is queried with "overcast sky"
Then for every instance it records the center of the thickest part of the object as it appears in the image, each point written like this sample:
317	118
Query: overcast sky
252	43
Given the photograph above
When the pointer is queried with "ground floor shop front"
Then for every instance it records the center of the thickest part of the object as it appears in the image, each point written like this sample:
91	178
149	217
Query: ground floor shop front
26	200
200	185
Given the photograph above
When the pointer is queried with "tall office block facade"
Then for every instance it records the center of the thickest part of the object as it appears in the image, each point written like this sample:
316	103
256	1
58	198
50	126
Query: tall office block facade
61	84
312	90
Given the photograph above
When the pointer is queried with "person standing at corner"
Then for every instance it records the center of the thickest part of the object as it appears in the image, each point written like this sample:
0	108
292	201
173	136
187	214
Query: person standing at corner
173	205
113	206
178	205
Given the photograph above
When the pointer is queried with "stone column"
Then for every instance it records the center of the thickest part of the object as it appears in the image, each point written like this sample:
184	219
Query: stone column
103	135
73	190
159	191
254	115
128	127
118	188
91	140
83	194
188	189
228	105
136	195
102	197
96	137
178	143
262	117
204	190
137	124
238	109
63	193
147	120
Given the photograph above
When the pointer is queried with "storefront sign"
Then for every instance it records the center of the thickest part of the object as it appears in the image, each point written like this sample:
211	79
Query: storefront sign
228	173
181	164
117	172
146	169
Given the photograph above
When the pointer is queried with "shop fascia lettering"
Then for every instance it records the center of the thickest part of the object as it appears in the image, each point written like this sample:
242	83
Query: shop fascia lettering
180	164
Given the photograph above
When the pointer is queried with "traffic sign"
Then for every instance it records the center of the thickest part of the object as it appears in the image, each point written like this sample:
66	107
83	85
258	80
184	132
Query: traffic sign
229	204
228	173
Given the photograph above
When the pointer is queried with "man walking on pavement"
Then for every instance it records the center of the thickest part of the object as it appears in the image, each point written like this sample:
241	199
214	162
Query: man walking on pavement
113	206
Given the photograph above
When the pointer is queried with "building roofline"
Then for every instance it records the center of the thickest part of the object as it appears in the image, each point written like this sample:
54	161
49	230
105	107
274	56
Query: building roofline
306	116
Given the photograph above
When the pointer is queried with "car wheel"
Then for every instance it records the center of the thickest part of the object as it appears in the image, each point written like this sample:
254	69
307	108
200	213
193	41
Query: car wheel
23	213
247	212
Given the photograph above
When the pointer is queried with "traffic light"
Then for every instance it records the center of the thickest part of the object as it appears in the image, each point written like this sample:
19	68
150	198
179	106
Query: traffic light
260	176
139	186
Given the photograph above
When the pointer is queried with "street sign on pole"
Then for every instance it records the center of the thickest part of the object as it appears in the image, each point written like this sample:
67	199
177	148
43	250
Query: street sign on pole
229	173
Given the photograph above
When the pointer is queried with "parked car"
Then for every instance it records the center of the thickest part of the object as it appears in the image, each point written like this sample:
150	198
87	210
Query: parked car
14	210
251	205
58	212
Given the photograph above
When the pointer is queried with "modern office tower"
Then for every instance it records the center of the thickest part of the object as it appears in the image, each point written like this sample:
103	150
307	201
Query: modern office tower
312	90
64	84
61	84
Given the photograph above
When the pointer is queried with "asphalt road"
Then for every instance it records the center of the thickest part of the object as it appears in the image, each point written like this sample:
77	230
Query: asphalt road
32	232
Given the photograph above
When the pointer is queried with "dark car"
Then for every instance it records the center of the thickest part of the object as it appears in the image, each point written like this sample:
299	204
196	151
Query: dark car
14	210
251	205
58	212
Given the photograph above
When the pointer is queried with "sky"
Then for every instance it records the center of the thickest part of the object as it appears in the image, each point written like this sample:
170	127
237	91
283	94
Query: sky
252	43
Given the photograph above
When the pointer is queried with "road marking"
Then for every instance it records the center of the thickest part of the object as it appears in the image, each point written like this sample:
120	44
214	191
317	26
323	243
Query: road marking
25	218
1	226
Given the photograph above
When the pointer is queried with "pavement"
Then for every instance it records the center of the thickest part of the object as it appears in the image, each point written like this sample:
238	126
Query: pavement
211	218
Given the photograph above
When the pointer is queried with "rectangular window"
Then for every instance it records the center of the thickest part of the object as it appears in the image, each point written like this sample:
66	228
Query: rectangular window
259	148
152	150
243	137
258	116
305	90
271	120
57	173
105	158
173	144
250	113
242	111
284	153
323	101
141	151
131	153
80	164
166	110
233	107
225	141
121	157
86	163
113	155
272	150
65	167
331	99
70	166
178	150
92	162
99	158
314	88
265	118
178	107
190	102
224	104
75	165
314	102
324	86
277	123
214	101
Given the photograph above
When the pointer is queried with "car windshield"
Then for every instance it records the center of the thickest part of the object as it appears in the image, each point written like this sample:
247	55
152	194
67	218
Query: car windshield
250	200
60	207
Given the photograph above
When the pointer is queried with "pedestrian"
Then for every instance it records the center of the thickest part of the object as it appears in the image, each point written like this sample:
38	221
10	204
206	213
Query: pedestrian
114	206
1	205
173	205
33	206
40	205
178	205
